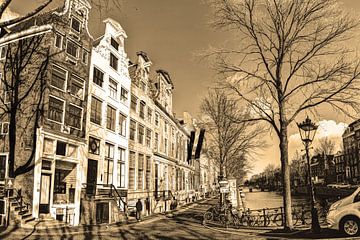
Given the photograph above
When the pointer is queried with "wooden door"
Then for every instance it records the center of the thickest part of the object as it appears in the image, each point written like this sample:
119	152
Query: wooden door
45	190
91	179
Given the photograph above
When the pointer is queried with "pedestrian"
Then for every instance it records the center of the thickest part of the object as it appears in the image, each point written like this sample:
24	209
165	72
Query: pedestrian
138	210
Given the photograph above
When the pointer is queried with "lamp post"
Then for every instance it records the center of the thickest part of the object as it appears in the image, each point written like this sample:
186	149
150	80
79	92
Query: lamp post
307	131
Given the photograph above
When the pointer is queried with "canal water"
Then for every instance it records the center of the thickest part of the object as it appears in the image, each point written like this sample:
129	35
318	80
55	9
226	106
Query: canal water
260	200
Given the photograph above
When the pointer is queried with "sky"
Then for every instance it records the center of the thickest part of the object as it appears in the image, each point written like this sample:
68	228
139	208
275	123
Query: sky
172	32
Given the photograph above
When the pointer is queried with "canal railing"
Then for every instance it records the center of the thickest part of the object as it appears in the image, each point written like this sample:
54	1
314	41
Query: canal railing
265	217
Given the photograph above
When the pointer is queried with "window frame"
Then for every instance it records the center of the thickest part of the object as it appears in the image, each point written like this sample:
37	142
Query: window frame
54	66
126	99
109	159
93	77
112	89
134	130
121	175
91	110
71	24
77	49
122	124
113	57
76	78
81	117
112	39
57	34
141	134
98	146
63	113
113	124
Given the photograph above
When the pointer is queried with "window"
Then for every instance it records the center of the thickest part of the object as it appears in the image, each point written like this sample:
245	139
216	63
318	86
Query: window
74	117
133	104
58	77
149	114
94	146
148	137
59	181
113	88
72	49
142	110
140	171
58	40
77	86
131	170
124	95
165	127
114	44
122	124
165	146
8	97
3	51
113	61
157	141
148	172
2	167
60	148
95	115
56	109
110	118
108	163
156	119
121	168
141	133
4	128
132	129
84	58
75	24
98	77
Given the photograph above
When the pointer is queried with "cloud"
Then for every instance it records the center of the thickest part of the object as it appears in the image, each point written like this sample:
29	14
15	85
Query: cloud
327	128
8	14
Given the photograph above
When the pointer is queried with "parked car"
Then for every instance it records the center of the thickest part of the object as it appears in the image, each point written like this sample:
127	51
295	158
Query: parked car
344	214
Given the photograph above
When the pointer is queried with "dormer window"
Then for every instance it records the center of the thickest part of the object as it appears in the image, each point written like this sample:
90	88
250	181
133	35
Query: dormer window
114	44
75	24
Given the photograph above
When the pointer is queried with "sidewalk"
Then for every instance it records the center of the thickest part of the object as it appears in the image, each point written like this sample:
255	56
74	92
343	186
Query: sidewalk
56	230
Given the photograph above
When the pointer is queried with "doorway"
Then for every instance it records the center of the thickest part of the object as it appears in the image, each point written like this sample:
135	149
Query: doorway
44	206
91	178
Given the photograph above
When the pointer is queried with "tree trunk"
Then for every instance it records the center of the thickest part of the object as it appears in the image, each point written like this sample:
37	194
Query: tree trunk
285	169
12	142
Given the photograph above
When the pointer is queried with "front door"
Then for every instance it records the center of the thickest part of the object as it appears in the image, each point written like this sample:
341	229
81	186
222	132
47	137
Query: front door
44	206
91	177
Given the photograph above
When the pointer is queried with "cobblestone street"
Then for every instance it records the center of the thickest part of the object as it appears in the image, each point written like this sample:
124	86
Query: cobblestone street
185	223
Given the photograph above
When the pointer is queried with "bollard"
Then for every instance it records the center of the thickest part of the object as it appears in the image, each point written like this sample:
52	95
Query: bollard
264	214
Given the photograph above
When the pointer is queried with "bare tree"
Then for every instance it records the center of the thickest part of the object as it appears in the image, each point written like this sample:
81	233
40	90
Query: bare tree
102	7
22	102
289	58
5	4
229	142
326	146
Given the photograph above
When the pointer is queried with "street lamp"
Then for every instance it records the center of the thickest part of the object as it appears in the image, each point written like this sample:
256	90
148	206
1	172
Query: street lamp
307	131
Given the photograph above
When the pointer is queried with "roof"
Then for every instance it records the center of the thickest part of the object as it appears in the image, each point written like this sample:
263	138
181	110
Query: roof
144	55
166	75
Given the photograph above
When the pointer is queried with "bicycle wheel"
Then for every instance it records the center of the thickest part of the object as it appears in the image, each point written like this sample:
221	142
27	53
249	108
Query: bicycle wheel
278	220
307	218
295	218
264	221
208	216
